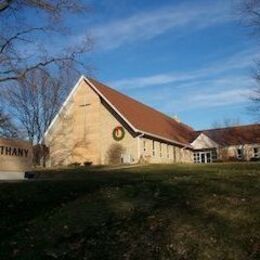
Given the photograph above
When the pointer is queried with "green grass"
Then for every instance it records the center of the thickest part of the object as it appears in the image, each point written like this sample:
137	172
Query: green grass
149	212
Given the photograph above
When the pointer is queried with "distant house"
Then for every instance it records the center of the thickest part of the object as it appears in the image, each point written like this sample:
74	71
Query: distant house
95	118
225	144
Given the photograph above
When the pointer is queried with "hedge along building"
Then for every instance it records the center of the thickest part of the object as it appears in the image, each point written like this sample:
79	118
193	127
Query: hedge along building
95	116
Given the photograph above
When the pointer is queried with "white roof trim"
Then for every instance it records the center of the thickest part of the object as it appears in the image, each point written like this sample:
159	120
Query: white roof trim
112	106
135	129
202	134
62	107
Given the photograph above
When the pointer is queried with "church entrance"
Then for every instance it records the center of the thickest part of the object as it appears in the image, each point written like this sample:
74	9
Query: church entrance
202	157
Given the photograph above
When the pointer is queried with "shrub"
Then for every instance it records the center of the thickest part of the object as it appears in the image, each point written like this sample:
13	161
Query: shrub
255	159
218	161
232	159
29	175
87	163
114	153
74	164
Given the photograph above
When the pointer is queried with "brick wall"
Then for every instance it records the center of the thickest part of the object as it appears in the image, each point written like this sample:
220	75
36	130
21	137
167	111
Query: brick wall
83	132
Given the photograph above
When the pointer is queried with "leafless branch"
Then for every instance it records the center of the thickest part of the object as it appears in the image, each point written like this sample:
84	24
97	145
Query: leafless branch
23	50
250	16
7	128
17	37
35	101
5	4
53	7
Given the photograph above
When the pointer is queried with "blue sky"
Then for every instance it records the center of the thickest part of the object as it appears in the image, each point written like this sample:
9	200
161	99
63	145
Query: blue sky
187	58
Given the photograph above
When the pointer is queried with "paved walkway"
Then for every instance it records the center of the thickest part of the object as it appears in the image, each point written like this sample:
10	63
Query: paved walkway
118	167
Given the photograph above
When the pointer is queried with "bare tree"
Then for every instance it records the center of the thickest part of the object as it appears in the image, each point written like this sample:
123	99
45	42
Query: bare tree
249	11
30	31
7	127
34	102
226	122
39	59
255	98
54	7
250	14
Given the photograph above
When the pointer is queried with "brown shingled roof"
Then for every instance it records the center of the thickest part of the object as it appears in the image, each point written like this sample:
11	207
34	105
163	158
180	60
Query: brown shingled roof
248	134
145	118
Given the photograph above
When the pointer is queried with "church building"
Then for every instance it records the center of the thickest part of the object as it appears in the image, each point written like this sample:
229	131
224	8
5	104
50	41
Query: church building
97	123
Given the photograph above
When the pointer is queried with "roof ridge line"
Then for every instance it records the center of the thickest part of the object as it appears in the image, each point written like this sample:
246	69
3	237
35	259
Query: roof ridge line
228	127
92	82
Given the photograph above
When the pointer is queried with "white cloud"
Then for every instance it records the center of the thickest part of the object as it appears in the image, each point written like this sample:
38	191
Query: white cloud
240	60
147	25
222	83
231	90
222	98
201	99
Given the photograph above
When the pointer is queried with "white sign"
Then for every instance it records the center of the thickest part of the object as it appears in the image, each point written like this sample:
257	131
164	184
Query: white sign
15	158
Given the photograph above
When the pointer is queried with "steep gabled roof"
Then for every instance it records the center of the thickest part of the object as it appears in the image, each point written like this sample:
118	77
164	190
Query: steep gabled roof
238	135
143	118
146	120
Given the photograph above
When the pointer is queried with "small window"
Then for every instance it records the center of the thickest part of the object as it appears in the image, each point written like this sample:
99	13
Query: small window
196	157
153	148
144	146
174	153
214	155
256	152
239	153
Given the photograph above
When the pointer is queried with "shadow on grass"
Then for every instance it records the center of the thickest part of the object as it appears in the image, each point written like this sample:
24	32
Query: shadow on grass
131	216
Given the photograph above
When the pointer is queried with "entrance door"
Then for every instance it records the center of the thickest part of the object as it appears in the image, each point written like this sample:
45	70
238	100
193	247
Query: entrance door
203	157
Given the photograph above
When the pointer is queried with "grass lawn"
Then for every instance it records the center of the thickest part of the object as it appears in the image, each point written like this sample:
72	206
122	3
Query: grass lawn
149	212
